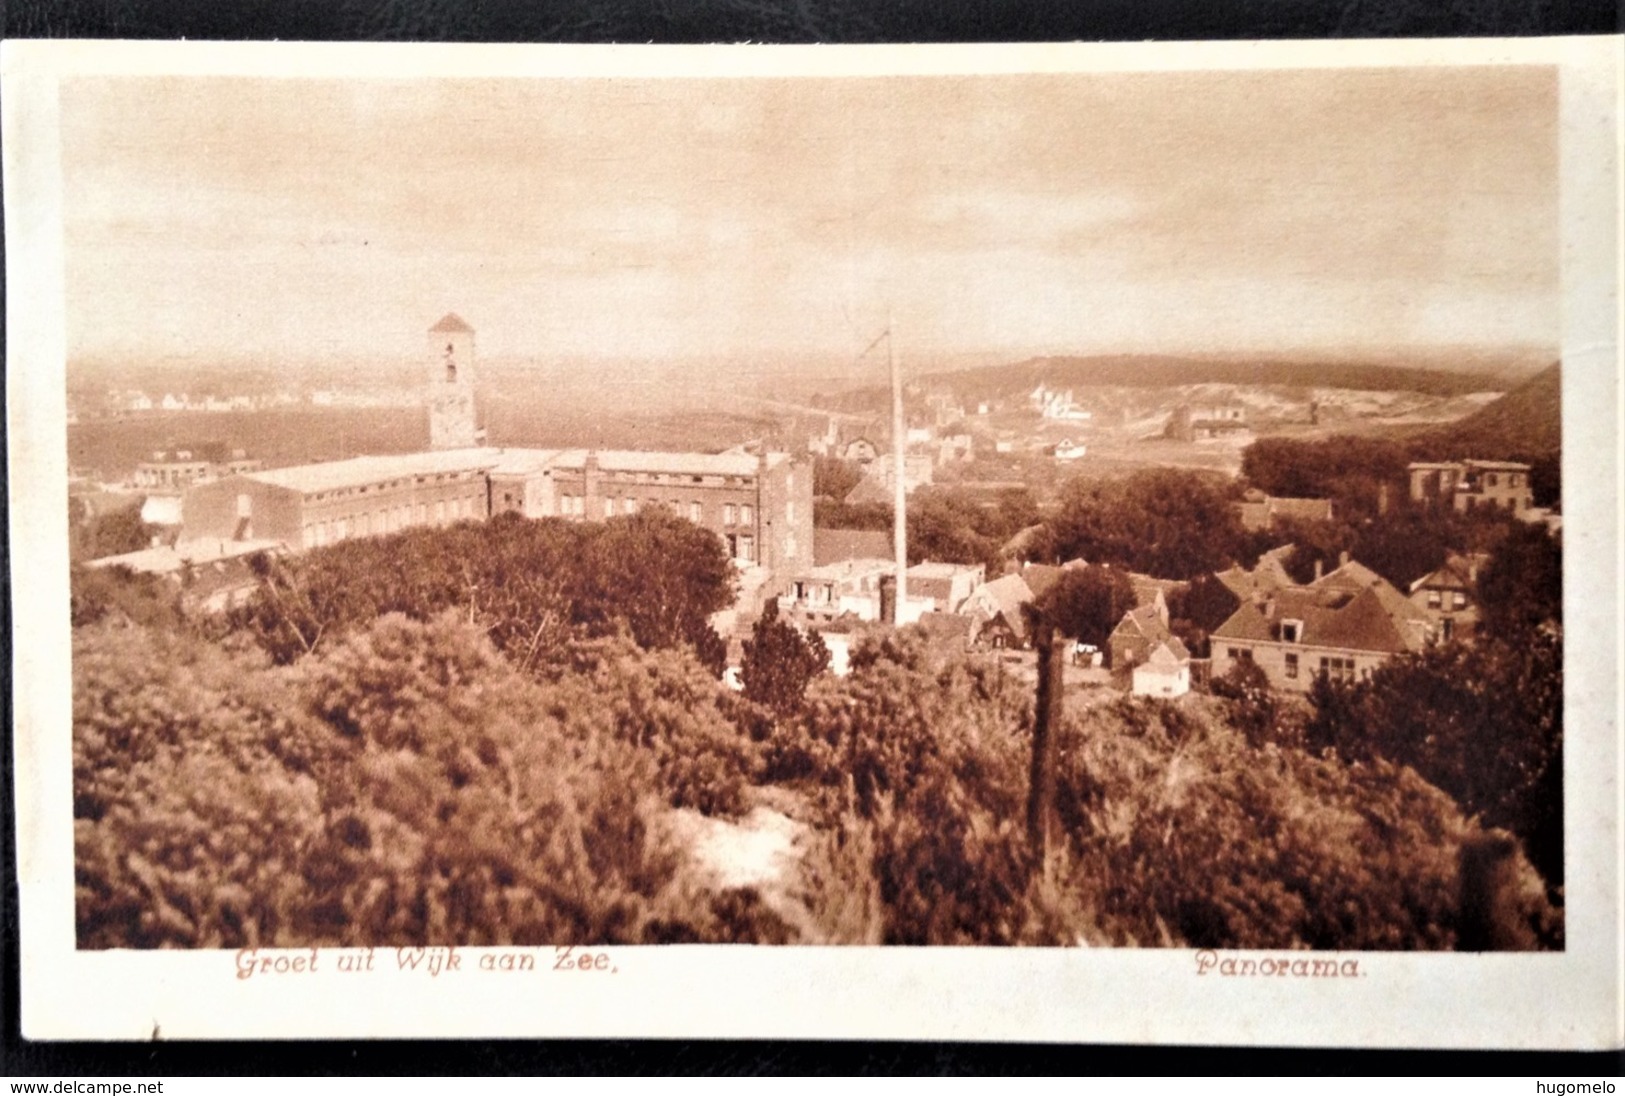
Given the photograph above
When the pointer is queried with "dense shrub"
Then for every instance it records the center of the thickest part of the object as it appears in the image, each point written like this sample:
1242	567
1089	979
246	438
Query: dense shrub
1178	830
532	586
403	786
1483	722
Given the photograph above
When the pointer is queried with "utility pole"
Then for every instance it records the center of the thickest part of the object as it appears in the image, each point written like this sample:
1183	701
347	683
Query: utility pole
1046	727
899	490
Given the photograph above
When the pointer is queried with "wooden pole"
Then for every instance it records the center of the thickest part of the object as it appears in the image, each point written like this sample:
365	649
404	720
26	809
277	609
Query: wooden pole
1046	726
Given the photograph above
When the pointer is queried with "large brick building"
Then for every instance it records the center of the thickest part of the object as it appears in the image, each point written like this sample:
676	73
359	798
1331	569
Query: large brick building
758	504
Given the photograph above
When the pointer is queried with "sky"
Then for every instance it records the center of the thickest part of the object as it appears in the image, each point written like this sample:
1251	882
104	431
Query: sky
1341	209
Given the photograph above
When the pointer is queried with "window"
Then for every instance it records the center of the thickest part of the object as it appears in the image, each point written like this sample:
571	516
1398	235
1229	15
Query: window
747	549
729	514
1490	479
440	511
745	515
790	510
629	505
1291	631
1515	479
696	513
1458	600
1292	664
1434	599
1239	654
1337	669
790	546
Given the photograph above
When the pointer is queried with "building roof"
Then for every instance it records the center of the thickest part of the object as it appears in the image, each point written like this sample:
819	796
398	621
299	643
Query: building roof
452	322
1456	573
834	545
167	560
1354	575
1340	618
1039	577
1003	597
1167	656
1145	620
1270	574
360	471
869	489
934	569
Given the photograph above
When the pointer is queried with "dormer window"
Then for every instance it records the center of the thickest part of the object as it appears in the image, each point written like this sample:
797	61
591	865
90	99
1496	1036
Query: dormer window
1292	631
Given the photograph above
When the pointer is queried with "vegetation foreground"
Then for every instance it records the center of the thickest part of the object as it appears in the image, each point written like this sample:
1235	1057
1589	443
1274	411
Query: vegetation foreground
380	750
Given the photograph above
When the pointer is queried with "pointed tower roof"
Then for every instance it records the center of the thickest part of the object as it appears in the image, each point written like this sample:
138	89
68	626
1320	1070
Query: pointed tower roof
452	322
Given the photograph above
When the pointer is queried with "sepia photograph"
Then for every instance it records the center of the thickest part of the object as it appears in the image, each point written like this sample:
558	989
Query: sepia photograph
524	518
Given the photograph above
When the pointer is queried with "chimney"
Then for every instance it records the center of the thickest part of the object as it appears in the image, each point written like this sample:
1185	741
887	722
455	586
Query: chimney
1320	566
1343	558
888	599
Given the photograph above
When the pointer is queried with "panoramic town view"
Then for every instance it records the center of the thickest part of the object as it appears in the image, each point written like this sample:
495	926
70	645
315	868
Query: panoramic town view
1074	510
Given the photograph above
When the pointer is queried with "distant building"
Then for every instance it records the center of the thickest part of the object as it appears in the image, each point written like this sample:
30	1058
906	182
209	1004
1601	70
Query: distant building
946	585
177	468
1260	512
1466	486
1069	450
451	385
1449	596
918	471
861	450
1200	422
211	575
759	505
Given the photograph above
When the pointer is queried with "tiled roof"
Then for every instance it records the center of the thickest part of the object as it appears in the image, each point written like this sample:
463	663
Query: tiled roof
1353	619
834	545
1146	621
1002	597
1039	577
1168	656
452	322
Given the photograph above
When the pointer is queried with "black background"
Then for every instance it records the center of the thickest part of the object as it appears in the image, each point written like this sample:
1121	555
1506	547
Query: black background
684	21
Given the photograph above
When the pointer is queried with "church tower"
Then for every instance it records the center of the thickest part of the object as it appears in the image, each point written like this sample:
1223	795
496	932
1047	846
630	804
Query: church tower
451	385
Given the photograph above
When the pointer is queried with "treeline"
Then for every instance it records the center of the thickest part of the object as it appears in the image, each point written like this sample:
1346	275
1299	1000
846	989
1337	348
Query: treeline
532	586
1355	472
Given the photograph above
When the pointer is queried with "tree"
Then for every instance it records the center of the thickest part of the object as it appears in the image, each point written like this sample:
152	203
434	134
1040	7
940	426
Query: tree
1521	587
1163	521
834	478
1482	722
779	662
1086	603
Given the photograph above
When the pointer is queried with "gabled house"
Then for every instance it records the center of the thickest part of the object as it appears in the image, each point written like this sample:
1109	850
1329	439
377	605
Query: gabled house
1166	673
998	608
1344	625
1448	596
1141	631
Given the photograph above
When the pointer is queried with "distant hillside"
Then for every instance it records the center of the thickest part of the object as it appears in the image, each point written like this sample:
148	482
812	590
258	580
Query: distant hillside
1160	371
1526	422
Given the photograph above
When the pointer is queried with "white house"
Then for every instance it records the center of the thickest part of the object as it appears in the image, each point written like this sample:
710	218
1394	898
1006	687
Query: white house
1167	673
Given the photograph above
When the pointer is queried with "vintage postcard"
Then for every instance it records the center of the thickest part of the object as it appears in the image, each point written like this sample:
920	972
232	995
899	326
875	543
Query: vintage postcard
1046	543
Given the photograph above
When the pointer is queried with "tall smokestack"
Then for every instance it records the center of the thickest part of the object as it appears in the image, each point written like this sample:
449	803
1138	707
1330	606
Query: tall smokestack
899	489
